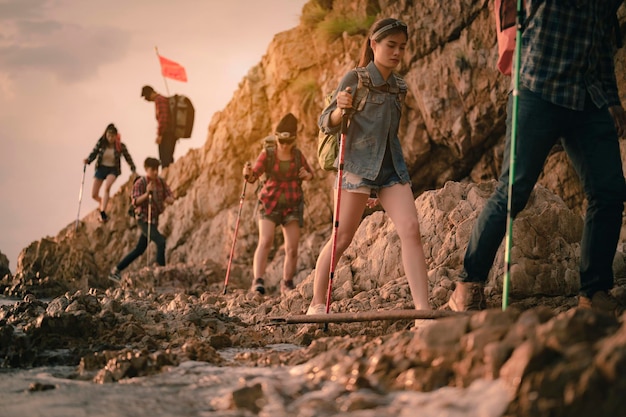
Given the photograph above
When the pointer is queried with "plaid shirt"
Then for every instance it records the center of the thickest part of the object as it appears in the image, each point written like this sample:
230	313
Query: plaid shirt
162	112
99	149
159	193
567	52
287	184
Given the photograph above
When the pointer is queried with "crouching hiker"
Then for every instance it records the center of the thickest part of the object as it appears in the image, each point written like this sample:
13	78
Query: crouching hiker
109	150
150	195
281	201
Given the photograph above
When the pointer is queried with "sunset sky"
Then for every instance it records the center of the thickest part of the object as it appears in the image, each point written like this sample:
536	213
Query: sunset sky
69	67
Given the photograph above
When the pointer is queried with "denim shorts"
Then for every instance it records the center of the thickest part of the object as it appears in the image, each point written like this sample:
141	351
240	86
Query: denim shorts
357	184
103	171
282	216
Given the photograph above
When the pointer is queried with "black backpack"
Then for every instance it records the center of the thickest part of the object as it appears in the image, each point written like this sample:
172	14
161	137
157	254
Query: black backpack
182	115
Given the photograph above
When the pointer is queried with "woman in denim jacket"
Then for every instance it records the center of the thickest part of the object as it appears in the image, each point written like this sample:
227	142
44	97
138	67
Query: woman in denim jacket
373	161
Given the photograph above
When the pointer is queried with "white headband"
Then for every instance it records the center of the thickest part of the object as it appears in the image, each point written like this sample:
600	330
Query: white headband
384	29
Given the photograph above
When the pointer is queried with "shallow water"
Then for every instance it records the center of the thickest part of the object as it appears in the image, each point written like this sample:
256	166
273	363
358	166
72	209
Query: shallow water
231	390
199	389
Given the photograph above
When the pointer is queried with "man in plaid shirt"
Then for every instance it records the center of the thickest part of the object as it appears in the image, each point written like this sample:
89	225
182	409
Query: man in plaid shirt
147	211
165	132
567	91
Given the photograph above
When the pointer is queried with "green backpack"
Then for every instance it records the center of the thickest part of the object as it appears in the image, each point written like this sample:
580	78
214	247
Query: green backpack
328	143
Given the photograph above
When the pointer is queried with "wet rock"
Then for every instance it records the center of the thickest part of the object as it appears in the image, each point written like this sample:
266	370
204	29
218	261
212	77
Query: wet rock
248	398
38	386
129	364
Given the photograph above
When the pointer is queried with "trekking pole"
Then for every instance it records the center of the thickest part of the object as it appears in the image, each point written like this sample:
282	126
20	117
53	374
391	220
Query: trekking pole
344	129
512	153
80	196
232	248
149	226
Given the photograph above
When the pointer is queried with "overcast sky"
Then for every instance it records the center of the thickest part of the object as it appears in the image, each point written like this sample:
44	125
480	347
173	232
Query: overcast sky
70	67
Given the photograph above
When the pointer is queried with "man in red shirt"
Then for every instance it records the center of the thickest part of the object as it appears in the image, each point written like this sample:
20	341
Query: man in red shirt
165	133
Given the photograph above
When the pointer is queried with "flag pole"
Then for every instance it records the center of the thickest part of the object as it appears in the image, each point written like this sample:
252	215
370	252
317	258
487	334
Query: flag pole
167	89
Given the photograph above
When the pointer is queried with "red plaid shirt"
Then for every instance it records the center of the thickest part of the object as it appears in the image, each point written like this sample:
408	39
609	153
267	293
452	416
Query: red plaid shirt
287	184
160	192
162	111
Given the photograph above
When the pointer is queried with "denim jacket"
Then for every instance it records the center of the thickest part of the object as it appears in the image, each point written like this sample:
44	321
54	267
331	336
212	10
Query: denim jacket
372	128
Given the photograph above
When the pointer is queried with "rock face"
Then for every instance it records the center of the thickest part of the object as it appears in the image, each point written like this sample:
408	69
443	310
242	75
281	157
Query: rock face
452	132
4	265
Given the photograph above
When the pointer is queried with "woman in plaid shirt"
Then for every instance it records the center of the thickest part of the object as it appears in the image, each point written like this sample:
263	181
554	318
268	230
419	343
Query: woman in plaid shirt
281	201
109	150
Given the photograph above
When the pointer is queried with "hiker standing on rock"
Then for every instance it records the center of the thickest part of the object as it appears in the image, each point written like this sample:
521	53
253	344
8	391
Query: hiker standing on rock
373	160
567	91
150	196
165	134
281	201
108	150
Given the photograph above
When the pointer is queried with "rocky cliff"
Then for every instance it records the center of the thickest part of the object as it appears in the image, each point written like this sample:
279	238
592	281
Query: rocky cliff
452	131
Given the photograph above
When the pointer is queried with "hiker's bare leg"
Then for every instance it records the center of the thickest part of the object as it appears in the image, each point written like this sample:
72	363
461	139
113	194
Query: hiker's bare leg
95	190
399	205
350	213
266	240
108	182
291	233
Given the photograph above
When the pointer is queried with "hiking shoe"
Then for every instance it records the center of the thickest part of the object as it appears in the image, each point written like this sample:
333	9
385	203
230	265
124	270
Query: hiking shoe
103	217
115	276
602	302
286	286
468	296
258	285
315	310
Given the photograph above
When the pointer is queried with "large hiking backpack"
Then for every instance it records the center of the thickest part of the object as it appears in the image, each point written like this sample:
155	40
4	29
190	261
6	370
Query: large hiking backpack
328	143
181	116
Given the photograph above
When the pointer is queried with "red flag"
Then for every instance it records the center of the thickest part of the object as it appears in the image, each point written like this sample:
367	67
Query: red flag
173	70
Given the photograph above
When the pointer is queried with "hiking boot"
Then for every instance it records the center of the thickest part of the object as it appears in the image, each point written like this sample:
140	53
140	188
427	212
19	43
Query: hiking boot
602	302
468	296
115	276
315	310
258	285
286	286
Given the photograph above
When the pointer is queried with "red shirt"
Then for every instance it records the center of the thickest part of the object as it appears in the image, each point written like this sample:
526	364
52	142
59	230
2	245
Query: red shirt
162	112
287	184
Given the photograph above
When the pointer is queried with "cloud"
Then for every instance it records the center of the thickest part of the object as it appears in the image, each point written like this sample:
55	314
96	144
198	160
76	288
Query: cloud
22	9
29	41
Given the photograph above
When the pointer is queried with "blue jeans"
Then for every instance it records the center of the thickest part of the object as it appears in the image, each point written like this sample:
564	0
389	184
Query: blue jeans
142	244
590	140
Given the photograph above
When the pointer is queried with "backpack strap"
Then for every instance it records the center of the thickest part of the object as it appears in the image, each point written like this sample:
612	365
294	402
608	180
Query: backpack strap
298	160
362	89
365	83
402	87
270	159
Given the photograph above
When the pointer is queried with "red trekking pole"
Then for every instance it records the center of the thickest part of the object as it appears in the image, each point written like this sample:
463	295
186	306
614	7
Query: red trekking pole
344	129
232	248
